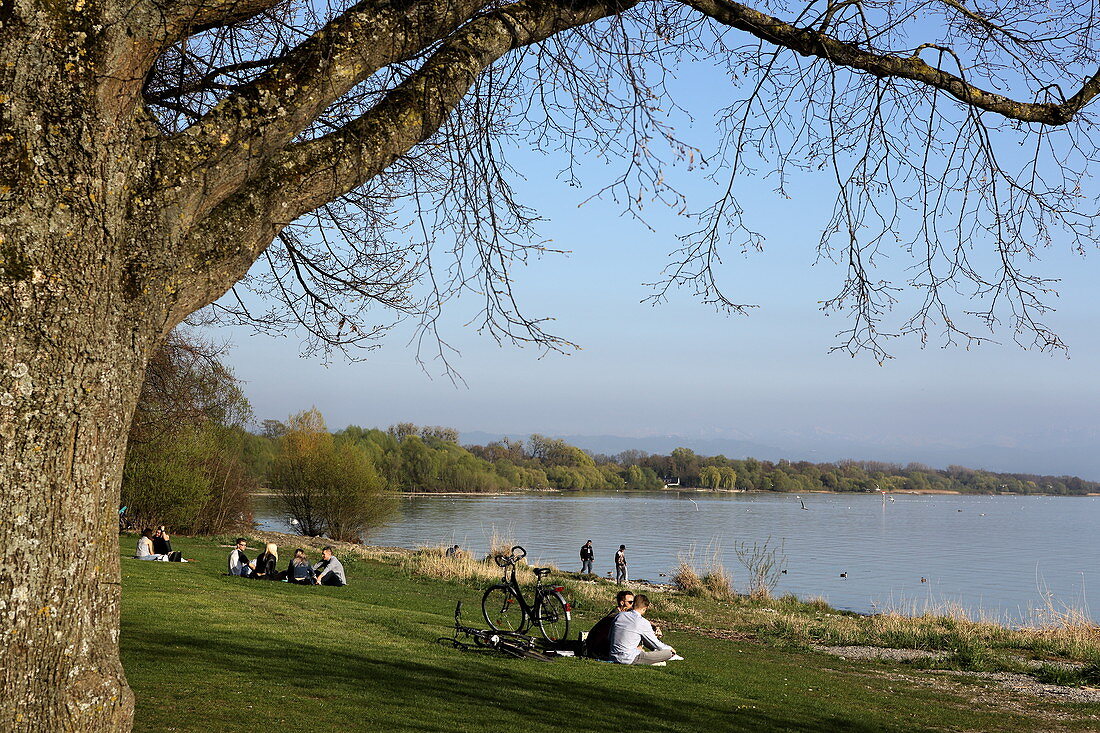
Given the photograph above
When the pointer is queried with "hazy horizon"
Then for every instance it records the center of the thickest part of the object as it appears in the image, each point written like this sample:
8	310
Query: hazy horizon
682	369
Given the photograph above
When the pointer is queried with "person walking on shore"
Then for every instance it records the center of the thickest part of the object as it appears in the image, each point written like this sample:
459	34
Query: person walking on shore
620	565
587	556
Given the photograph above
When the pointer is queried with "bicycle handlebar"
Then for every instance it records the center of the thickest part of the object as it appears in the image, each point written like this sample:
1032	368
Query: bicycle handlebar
510	559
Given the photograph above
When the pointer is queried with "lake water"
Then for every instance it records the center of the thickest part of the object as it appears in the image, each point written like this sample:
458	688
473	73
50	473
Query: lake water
997	556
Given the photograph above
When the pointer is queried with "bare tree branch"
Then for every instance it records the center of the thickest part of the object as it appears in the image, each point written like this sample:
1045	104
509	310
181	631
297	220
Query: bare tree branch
187	17
321	170
227	146
810	42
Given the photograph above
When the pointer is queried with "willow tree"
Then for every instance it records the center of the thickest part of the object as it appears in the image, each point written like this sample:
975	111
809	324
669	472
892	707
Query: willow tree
152	152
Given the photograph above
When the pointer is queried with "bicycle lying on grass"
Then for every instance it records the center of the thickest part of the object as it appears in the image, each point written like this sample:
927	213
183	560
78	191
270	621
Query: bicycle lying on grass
507	610
517	645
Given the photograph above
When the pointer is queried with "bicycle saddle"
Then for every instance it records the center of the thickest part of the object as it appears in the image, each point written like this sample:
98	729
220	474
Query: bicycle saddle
543	571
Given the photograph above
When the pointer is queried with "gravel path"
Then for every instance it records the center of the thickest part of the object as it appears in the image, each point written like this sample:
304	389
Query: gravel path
874	652
1031	686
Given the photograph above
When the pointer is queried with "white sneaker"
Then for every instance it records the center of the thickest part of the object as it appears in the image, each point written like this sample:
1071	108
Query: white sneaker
675	658
659	664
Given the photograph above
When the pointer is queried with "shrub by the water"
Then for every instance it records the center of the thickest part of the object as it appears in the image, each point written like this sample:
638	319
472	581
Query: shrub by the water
327	486
686	580
718	584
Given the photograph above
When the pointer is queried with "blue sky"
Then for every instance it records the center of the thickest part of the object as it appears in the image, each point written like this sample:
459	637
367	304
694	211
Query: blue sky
682	369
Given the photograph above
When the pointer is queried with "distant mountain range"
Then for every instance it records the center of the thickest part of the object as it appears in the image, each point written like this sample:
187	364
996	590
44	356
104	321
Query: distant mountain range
1081	460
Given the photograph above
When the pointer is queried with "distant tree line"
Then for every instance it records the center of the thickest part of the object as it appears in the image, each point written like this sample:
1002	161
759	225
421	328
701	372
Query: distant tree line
429	458
750	474
192	463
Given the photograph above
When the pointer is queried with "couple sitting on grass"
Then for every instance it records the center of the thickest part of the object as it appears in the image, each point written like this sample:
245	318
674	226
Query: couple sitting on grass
156	546
625	636
329	571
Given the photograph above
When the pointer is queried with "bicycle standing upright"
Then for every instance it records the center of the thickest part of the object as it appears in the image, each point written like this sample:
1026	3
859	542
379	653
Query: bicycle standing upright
506	609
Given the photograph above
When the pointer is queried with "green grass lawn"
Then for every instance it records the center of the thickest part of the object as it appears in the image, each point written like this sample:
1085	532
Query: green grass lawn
206	652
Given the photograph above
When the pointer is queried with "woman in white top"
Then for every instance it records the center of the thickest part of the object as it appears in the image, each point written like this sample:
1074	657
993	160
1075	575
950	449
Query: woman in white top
145	547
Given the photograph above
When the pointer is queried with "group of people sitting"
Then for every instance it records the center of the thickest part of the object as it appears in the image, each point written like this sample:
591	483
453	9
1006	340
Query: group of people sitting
329	571
625	636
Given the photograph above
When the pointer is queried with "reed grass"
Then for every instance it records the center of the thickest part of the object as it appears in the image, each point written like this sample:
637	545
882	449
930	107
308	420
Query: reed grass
686	579
713	581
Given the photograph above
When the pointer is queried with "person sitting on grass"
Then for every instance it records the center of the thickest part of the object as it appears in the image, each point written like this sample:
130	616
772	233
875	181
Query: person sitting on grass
238	561
299	570
452	551
162	543
633	640
329	571
598	643
263	567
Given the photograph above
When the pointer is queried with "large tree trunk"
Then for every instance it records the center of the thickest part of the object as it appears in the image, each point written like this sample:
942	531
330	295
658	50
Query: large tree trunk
64	407
74	340
76	326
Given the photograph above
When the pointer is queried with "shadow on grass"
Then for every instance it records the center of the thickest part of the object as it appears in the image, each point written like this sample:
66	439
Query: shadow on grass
351	691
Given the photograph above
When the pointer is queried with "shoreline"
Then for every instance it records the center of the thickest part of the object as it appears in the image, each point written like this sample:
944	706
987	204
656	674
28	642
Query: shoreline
905	492
692	490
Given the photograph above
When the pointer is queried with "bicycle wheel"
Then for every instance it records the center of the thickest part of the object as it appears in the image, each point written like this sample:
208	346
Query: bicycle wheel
502	609
553	617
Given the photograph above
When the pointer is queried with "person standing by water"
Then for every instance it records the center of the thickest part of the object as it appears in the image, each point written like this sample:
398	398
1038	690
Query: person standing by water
587	556
620	565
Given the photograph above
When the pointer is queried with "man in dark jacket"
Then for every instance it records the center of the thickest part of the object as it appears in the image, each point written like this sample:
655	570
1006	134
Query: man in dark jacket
587	556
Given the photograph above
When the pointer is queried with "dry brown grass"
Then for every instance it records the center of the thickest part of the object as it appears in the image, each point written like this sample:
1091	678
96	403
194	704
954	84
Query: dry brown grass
461	567
500	543
713	582
686	579
718	584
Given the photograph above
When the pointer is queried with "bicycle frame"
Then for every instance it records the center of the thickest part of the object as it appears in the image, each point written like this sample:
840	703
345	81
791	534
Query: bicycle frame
529	619
516	645
530	612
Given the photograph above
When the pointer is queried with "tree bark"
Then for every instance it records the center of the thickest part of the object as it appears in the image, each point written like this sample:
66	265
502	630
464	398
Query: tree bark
79	315
64	408
75	334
